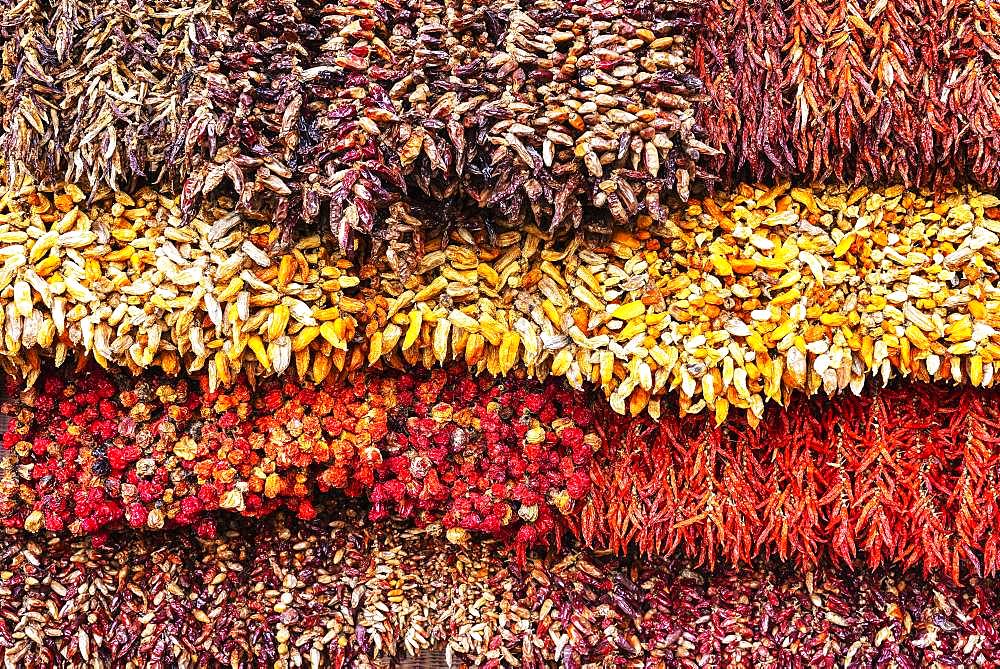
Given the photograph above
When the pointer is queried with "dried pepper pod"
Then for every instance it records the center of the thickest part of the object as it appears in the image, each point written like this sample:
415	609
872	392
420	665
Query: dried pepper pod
897	476
866	92
337	591
543	111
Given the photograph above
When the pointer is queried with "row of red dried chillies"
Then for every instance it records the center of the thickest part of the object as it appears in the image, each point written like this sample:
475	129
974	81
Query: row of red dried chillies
825	90
904	474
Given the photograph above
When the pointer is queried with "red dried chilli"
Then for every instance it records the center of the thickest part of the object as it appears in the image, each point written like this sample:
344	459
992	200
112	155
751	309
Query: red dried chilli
852	92
900	475
101	451
338	591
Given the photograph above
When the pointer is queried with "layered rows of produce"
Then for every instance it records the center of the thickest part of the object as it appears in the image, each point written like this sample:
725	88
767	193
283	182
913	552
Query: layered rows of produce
338	592
592	333
733	301
903	475
391	117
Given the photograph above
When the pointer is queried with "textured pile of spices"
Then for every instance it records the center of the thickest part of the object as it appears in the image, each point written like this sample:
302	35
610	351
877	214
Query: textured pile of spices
736	300
902	475
337	592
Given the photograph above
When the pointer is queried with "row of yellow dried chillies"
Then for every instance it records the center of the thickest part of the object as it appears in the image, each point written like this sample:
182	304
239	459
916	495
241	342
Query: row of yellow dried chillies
737	299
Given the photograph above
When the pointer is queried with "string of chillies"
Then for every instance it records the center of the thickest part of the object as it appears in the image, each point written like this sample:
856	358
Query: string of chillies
251	594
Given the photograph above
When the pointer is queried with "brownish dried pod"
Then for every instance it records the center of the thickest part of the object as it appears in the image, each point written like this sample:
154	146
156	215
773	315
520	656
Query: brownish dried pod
94	90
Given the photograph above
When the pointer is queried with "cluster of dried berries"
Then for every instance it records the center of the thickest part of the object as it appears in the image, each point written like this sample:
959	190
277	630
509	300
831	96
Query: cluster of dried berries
734	301
98	451
853	92
91	92
337	592
900	475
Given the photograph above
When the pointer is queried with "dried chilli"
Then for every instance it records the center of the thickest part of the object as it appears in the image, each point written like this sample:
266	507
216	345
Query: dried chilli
738	300
901	475
884	92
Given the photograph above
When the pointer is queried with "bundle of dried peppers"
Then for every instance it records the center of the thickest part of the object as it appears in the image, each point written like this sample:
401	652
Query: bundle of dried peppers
737	300
898	475
852	92
309	111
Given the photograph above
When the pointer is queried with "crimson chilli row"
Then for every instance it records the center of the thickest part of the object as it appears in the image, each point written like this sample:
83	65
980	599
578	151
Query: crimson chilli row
898	475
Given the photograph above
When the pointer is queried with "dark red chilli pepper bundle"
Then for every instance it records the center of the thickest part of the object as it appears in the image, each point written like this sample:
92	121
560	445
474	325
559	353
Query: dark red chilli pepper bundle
385	117
544	112
285	106
375	119
852	92
340	591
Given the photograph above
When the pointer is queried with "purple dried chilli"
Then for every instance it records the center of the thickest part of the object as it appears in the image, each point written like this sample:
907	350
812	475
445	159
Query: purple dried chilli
541	111
285	108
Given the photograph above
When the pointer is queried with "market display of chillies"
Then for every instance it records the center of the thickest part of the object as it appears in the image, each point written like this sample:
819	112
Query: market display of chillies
338	591
585	333
100	451
743	299
902	475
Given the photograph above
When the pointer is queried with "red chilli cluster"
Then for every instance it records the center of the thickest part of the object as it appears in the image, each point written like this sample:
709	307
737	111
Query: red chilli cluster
98	452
